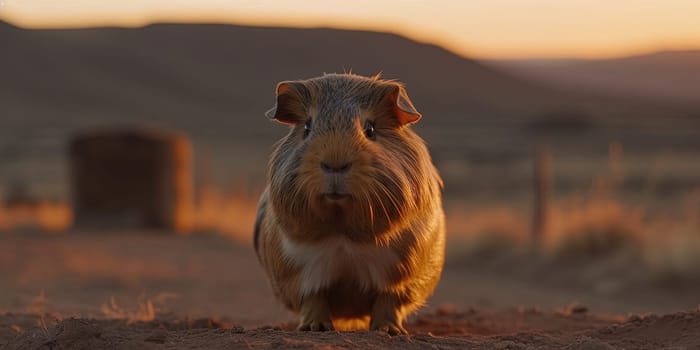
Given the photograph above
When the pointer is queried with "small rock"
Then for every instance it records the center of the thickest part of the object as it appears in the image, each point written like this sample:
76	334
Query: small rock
579	309
634	318
575	309
237	330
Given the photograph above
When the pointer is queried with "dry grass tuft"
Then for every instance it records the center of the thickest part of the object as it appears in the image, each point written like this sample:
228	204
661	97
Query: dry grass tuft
593	228
482	232
144	312
38	305
232	215
45	216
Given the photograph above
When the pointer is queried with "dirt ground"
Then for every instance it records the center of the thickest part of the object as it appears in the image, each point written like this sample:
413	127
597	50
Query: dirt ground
117	290
444	329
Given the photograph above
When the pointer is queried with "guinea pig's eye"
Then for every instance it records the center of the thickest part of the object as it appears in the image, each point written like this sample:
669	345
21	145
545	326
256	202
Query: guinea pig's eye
307	128
369	130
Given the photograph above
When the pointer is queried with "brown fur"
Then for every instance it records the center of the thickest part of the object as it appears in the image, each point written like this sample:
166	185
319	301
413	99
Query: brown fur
387	236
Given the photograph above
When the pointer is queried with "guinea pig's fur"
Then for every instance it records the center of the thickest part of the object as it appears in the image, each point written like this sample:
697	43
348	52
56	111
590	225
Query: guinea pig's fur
351	225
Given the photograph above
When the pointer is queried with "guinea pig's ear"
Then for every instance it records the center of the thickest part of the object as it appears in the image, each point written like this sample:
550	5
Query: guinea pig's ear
403	108
290	107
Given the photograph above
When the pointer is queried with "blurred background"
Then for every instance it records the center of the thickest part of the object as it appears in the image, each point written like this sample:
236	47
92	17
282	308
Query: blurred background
133	146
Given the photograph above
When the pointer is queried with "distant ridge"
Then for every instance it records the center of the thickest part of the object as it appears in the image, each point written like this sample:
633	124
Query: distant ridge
172	71
669	76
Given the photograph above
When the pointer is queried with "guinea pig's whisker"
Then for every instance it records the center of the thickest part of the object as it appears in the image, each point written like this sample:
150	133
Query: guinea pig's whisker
301	200
371	212
381	203
305	184
393	180
365	195
391	197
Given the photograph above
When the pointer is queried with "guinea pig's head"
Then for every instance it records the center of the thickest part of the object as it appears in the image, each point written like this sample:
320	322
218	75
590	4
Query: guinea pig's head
350	163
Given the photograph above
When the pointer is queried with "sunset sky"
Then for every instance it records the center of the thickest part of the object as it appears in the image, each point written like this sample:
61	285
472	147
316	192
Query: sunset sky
487	29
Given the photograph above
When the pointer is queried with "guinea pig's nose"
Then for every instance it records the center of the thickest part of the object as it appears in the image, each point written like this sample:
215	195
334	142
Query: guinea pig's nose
327	168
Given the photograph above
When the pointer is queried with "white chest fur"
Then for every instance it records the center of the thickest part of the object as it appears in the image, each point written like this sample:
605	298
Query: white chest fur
335	259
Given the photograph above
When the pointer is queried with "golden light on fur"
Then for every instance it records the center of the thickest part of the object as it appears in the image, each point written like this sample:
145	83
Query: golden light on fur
350	228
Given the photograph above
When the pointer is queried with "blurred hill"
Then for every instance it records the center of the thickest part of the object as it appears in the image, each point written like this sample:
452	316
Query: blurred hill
215	81
672	76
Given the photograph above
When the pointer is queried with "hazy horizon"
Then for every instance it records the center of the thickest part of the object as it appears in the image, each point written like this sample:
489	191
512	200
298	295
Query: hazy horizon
494	30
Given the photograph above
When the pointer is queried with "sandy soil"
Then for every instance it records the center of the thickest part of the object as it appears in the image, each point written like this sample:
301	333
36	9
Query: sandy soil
445	329
149	290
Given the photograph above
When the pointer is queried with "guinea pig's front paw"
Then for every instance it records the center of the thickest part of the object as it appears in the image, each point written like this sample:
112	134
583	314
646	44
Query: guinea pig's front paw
315	316
386	316
315	325
392	328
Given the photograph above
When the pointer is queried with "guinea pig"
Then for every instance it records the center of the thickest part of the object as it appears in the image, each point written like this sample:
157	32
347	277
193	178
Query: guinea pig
350	229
